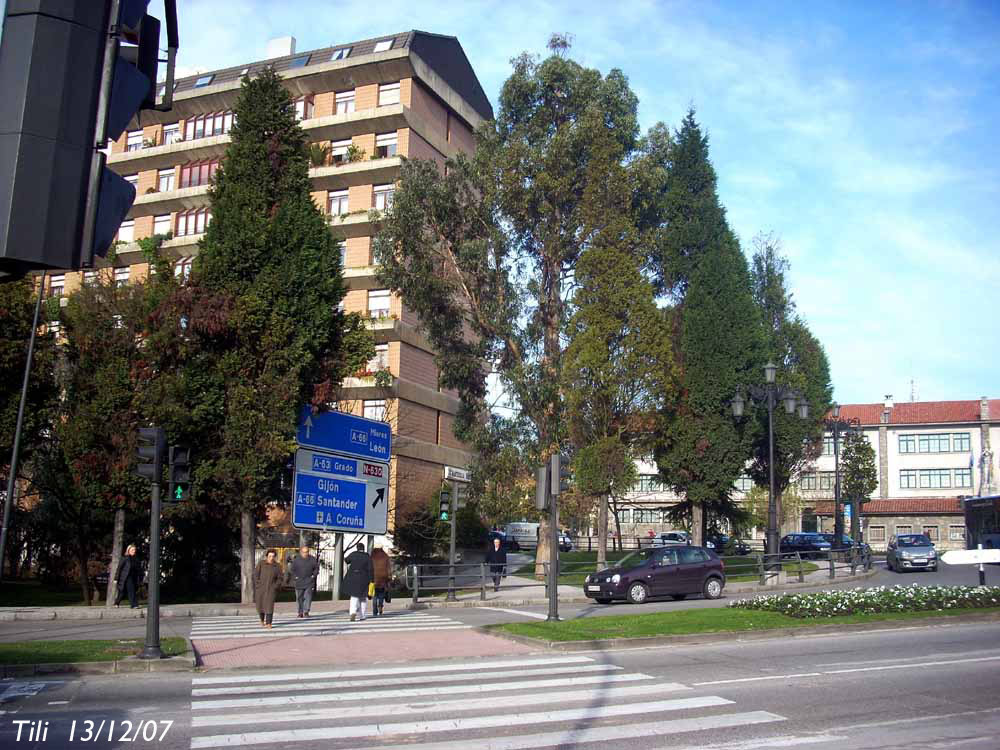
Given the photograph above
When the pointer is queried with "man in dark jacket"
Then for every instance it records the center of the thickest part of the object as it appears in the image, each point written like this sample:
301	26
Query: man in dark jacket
360	575
127	577
496	558
302	572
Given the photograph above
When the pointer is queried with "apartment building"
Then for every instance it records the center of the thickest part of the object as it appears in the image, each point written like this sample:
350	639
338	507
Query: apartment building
370	103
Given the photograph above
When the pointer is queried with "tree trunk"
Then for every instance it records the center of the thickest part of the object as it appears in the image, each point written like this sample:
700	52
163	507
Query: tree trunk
619	546
116	556
602	534
81	561
697	519
246	556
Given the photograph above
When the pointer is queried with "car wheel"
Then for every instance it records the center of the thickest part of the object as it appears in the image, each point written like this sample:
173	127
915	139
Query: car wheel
603	601
679	597
638	593
712	588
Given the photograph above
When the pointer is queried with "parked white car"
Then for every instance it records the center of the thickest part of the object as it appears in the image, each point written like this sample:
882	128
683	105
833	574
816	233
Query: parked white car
671	537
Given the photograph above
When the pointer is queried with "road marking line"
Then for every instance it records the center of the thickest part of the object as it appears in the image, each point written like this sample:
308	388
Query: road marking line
939	717
395	708
58	703
900	659
291	700
533	615
477	666
313	633
590	713
390	681
757	679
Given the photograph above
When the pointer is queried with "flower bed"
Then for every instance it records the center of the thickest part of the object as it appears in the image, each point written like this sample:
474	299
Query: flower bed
912	598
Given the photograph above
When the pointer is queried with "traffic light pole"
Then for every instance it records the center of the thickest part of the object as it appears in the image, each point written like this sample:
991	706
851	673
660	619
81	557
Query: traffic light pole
451	544
152	648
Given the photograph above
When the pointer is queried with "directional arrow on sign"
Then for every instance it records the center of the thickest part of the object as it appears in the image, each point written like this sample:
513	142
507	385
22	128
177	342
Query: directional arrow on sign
379	496
308	424
971	556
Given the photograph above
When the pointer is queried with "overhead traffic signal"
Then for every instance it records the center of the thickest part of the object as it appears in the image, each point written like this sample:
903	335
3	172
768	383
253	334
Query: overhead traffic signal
150	452
560	473
180	474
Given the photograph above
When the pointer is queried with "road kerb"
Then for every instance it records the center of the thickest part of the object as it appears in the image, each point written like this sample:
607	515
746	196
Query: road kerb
182	663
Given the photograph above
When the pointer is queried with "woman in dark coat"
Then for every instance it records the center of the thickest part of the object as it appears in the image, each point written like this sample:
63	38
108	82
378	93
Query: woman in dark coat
127	577
266	582
496	558
360	575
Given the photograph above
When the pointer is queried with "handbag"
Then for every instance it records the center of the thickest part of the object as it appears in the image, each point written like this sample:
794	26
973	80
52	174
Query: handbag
388	597
371	590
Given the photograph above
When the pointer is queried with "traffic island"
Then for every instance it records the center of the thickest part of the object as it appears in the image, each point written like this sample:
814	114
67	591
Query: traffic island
31	658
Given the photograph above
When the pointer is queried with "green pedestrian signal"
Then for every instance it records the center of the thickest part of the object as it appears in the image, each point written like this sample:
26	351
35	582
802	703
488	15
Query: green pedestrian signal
180	474
445	504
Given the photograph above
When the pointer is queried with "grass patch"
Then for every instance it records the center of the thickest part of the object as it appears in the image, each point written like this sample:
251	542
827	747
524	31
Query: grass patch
65	652
740	569
578	563
693	621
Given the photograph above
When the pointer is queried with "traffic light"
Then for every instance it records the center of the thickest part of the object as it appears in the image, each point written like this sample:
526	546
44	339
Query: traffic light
69	85
541	487
152	446
445	502
180	474
560	473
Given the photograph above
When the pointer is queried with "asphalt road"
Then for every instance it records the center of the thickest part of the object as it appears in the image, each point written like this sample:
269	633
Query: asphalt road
927	686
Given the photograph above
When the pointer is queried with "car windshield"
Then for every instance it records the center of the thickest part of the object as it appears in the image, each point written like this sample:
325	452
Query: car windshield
635	559
917	540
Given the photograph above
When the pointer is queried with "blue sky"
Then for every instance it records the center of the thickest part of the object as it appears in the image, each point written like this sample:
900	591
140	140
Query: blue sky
862	134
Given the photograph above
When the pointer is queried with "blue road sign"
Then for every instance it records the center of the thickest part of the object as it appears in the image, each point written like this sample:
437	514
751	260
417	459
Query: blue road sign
338	432
334	492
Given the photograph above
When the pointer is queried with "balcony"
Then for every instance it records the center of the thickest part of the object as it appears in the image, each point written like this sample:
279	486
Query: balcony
355	224
168	156
176	247
359	122
361	277
364	172
169	201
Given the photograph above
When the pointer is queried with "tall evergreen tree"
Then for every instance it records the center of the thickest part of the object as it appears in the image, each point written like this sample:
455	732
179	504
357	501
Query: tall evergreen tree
257	331
858	476
702	450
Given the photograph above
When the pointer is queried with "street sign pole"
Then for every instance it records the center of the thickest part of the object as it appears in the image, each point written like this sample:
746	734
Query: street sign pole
982	571
451	543
553	555
152	648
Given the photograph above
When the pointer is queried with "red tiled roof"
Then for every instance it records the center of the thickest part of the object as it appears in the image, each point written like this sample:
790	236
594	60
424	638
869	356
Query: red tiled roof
920	412
904	506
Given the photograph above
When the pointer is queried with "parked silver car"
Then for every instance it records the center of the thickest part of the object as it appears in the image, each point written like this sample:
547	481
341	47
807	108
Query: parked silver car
911	552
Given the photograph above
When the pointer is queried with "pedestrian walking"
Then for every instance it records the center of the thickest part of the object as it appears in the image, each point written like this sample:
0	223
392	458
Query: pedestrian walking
496	558
382	567
302	572
127	577
266	582
360	577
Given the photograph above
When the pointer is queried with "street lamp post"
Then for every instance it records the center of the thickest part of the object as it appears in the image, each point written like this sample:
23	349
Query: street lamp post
837	425
793	401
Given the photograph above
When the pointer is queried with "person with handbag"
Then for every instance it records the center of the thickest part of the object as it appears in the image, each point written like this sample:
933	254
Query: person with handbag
383	574
359	583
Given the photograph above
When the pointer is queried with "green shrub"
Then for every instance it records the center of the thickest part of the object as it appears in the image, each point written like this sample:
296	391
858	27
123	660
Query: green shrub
914	598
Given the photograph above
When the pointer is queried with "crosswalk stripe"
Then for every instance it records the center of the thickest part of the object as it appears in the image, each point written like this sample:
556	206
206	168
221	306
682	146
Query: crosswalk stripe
396	708
253	622
310	685
456	724
477	666
285	633
329	624
339	617
290	700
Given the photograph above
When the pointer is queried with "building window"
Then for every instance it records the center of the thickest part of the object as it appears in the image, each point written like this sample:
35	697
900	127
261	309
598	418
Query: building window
299	62
828	445
133	180
171	134
182	269
193	221
340	54
89	278
378	303
744	483
385	44
963	477
381	359
336	202
202	126
625	516
385	145
960	442
304	108
383	197
57	284
161	224
826	480
133	141
903	529
345	102
934	443
121	276
199	173
932	479
907	443
388	93
956	533
338	151
908	479
649	483
374	410
931	532
126	232
809	482
165	180
204	81
876	533
643	515
343	263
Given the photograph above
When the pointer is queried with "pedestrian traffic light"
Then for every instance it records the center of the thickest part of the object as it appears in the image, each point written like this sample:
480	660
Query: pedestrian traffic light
560	473
152	446
445	503
542	487
180	474
69	85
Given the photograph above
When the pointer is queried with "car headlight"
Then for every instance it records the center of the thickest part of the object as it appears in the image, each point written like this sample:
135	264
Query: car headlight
616	578
932	553
587	579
